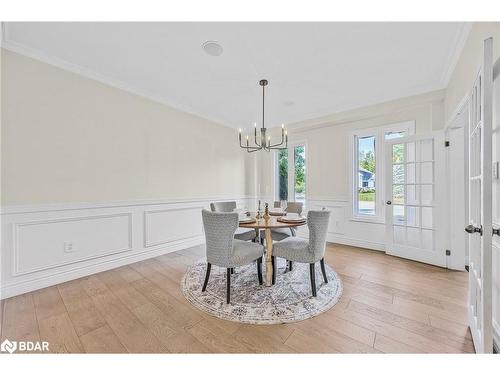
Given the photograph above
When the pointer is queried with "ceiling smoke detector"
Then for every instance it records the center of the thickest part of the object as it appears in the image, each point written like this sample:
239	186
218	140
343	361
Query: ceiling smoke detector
212	48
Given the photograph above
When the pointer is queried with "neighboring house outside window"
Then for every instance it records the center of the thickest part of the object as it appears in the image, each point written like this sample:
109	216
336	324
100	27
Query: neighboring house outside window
368	151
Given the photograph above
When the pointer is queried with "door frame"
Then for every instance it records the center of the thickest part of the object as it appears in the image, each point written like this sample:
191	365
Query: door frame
458	258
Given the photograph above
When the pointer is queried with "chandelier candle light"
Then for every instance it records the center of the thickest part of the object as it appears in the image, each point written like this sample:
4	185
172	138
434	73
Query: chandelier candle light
264	143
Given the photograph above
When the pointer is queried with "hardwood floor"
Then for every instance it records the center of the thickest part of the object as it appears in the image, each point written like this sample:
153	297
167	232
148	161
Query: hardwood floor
389	305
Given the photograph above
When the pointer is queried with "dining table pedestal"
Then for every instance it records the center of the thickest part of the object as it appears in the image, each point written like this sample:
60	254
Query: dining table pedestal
268	225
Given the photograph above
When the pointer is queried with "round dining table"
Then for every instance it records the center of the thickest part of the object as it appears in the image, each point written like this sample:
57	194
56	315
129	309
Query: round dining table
268	225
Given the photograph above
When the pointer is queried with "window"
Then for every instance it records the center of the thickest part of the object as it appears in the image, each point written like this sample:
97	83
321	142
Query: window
290	177
368	172
299	160
282	168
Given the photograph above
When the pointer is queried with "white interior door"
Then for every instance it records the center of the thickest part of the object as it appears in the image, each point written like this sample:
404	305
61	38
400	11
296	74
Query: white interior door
415	198
480	205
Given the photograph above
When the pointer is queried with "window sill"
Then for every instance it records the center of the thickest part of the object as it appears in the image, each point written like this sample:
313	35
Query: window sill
365	219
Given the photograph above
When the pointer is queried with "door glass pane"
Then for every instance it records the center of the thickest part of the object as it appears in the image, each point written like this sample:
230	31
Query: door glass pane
427	217
412	216
426	173
393	135
398	214
427	194
366	175
411	173
398	153
398	174
282	167
398	194
300	173
412	194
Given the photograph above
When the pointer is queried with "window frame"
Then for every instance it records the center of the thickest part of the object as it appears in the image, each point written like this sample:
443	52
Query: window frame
378	133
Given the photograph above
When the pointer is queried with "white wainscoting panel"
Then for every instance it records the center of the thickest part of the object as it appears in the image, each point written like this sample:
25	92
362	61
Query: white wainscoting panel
39	245
43	245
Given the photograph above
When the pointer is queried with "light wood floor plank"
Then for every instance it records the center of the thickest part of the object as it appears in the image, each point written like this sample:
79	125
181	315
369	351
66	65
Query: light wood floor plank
82	311
102	340
58	331
20	321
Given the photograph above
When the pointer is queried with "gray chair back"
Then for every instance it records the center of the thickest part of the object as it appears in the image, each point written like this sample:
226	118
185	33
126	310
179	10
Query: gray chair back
223	206
219	233
292	207
317	221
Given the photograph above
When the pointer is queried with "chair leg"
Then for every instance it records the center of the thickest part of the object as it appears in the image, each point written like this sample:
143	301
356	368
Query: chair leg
289	265
207	275
232	271
228	278
273	262
322	262
313	279
259	269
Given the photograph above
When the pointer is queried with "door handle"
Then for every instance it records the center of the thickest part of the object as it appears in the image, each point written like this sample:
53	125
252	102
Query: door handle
496	231
388	202
472	229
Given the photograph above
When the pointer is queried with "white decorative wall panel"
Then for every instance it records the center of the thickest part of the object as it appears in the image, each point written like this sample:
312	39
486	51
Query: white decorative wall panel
39	245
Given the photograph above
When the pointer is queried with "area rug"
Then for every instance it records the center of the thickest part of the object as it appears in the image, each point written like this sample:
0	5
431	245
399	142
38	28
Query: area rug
289	300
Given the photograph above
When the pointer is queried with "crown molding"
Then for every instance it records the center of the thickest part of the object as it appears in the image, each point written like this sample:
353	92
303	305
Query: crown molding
455	52
90	74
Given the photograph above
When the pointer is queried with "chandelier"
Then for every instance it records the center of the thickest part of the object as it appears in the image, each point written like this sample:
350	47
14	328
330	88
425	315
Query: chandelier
264	143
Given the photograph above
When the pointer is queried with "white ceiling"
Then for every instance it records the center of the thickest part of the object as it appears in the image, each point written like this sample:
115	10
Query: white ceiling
314	69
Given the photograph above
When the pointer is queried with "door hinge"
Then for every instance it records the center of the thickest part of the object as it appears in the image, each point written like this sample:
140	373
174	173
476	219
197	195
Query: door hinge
448	252
446	143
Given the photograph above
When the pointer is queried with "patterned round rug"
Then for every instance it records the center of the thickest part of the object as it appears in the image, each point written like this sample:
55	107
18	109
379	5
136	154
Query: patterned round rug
289	300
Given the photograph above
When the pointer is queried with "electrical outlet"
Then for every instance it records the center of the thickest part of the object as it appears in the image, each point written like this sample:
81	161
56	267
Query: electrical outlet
69	246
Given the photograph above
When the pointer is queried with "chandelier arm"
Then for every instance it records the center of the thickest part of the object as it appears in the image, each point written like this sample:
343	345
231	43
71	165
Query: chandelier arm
255	139
249	147
255	149
282	141
279	148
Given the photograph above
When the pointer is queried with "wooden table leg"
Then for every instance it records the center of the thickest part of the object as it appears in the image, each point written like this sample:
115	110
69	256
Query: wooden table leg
269	254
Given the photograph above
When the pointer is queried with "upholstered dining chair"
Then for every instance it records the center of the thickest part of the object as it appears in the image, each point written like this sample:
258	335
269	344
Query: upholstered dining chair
225	251
241	233
295	249
282	233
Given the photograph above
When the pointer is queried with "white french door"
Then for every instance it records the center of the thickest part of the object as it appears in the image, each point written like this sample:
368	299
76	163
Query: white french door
480	205
414	198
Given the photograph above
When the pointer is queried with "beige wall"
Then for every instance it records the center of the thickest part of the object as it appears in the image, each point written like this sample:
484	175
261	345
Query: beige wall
66	138
328	173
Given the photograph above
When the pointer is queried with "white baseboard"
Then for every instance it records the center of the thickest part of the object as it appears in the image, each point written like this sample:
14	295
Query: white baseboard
356	242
